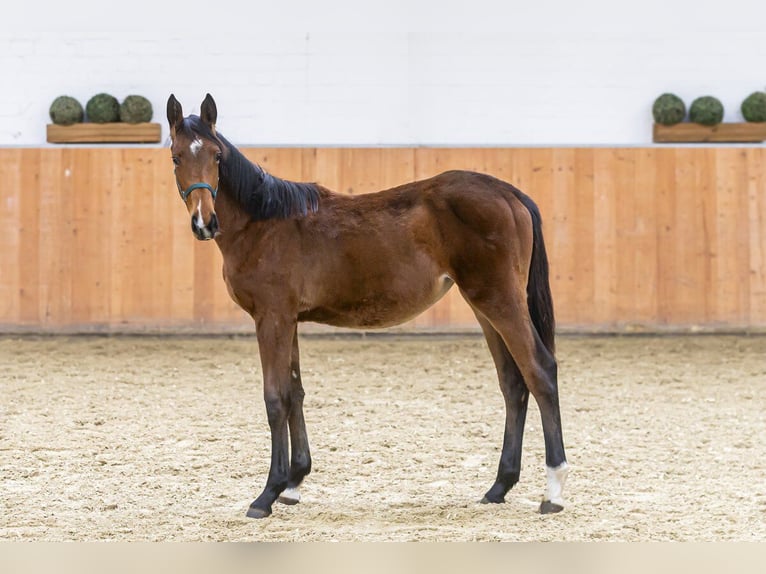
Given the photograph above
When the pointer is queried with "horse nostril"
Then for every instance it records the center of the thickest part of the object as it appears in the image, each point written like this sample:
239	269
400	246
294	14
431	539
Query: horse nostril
206	231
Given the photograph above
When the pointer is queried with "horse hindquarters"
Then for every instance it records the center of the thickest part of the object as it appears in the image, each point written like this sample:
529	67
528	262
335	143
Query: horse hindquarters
514	302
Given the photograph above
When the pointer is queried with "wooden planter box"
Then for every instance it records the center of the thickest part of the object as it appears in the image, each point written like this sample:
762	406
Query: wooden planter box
105	133
689	132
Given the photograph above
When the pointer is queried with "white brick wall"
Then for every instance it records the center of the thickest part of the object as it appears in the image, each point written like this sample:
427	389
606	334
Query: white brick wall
386	72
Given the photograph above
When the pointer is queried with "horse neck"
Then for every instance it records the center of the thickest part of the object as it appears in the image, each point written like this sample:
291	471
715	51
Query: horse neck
245	177
232	218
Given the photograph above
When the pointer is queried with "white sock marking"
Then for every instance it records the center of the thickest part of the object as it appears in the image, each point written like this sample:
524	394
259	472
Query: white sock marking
291	494
556	478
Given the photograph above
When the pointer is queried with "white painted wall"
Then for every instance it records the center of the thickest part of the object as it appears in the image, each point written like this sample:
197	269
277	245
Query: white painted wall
386	72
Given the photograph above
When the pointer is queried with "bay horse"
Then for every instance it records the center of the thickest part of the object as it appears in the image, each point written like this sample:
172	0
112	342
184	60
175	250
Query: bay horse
296	252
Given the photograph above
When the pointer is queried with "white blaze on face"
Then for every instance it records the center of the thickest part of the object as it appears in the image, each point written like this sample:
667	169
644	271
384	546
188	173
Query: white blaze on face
200	223
195	146
556	478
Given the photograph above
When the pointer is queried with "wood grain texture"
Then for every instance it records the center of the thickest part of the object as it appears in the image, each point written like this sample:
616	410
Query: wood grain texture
118	132
12	251
755	168
648	238
731	132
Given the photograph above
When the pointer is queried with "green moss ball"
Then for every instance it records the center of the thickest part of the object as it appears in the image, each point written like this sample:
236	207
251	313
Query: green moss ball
103	108
65	111
706	110
136	109
754	107
668	109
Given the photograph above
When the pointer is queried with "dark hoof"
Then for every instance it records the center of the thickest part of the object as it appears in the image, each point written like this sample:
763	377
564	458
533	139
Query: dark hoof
492	500
254	512
548	507
288	501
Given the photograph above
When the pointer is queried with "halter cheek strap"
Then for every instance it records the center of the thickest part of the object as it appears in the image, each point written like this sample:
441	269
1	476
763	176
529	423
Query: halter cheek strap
192	187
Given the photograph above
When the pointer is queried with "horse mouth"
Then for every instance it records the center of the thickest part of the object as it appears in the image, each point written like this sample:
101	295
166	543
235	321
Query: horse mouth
204	234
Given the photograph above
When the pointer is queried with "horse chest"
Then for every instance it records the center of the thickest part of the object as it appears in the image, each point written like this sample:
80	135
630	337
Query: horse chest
233	292
255	290
238	291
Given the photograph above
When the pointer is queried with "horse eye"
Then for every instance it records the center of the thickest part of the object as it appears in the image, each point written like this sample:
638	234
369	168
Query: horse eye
218	157
176	160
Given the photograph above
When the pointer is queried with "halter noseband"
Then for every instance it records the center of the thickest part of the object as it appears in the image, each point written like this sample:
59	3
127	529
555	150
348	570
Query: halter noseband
192	187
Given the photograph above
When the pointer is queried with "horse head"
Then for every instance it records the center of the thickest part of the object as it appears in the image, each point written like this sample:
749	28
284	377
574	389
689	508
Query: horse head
196	153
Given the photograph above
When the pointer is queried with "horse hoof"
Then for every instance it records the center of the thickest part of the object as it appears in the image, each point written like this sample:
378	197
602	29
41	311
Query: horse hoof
254	512
491	500
548	507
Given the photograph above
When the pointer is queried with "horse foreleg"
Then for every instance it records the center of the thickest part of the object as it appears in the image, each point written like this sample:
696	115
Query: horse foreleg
300	455
275	345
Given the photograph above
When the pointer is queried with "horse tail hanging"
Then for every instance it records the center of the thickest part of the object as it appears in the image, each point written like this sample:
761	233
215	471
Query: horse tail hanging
539	299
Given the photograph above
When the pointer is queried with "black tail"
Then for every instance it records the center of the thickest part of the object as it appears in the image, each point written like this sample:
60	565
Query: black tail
539	298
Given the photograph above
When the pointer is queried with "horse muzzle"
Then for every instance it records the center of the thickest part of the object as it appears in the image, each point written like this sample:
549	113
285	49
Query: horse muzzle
205	231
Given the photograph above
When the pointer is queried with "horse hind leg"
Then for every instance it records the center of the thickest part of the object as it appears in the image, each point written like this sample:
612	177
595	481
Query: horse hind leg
300	455
516	396
538	368
300	459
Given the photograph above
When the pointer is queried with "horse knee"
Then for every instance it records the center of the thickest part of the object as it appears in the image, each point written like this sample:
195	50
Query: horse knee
508	475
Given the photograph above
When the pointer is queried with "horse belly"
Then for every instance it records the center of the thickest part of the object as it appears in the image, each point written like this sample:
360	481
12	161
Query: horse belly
381	307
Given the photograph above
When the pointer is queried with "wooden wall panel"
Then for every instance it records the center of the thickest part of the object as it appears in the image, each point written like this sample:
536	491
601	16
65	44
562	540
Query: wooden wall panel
559	232
638	238
606	184
756	244
642	242
56	213
729	292
577	297
88	208
11	287
665	198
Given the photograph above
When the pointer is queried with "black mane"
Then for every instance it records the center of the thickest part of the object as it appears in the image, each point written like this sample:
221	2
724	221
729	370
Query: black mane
260	194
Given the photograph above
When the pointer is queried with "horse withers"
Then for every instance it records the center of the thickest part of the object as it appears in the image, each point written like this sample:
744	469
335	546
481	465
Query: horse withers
296	252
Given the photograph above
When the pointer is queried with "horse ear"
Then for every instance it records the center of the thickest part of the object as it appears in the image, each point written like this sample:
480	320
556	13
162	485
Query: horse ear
209	112
175	113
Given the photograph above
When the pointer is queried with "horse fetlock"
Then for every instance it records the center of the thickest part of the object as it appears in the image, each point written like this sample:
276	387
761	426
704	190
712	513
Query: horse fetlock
300	467
554	500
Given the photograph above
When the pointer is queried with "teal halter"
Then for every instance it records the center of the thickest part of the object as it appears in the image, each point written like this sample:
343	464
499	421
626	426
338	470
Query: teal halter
192	187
